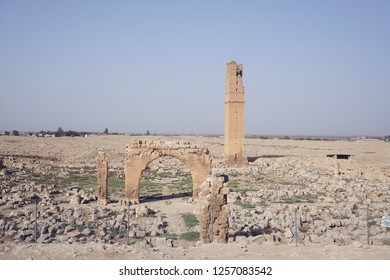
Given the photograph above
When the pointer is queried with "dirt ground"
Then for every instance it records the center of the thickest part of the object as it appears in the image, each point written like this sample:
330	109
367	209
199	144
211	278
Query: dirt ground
206	252
369	159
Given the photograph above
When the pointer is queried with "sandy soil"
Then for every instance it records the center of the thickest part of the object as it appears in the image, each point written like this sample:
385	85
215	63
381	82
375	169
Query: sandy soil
210	251
370	158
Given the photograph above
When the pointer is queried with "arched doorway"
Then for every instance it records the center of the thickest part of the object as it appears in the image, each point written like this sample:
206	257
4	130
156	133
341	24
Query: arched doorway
141	152
165	178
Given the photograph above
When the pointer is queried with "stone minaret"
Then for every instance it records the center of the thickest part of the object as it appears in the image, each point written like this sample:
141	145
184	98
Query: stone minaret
234	116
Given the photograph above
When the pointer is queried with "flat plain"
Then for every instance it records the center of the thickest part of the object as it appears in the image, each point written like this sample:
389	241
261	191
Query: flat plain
339	210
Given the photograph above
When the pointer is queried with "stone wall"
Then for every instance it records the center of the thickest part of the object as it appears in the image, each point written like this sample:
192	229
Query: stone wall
102	176
214	210
234	116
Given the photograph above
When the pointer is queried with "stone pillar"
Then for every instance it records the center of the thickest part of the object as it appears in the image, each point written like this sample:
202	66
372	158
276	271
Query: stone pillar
234	116
214	210
102	176
337	168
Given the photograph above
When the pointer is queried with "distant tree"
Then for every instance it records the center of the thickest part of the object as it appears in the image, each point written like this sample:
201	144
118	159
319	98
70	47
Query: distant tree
73	133
147	132
59	132
15	132
7	133
106	131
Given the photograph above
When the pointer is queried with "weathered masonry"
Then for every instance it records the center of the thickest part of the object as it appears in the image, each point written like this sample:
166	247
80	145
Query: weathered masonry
102	176
339	156
214	210
141	152
234	116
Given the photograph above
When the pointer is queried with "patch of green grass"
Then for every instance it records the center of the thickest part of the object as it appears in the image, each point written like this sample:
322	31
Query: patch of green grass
150	189
190	236
115	185
340	217
172	236
180	188
190	220
234	184
309	198
184	184
187	180
79	180
42	178
245	204
286	183
250	205
148	184
234	175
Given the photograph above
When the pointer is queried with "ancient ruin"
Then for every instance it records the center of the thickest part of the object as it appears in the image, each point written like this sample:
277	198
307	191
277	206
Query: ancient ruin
141	152
339	156
234	116
296	177
214	210
102	176
337	168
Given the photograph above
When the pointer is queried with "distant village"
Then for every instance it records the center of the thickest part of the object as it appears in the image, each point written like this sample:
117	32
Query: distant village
59	133
71	133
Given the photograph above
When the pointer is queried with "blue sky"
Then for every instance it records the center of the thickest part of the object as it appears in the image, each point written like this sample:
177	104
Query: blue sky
310	67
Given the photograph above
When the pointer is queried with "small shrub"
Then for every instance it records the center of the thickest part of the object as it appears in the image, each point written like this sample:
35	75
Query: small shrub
151	213
245	205
305	228
355	209
372	223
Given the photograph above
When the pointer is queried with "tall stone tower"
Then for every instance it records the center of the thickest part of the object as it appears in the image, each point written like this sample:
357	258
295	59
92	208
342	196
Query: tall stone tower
234	116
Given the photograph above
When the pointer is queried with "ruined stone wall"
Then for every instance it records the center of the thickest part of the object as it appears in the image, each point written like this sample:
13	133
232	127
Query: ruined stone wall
234	116
214	210
141	152
102	176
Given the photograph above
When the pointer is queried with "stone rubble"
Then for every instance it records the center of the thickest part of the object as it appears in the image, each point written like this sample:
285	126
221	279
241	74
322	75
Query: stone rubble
262	201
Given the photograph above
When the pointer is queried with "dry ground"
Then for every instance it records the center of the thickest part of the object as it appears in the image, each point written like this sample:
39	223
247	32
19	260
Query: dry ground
370	162
206	252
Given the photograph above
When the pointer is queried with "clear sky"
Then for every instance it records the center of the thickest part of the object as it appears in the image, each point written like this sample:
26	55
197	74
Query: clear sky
310	67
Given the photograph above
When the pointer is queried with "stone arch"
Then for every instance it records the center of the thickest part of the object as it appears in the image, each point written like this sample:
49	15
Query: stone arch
141	152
